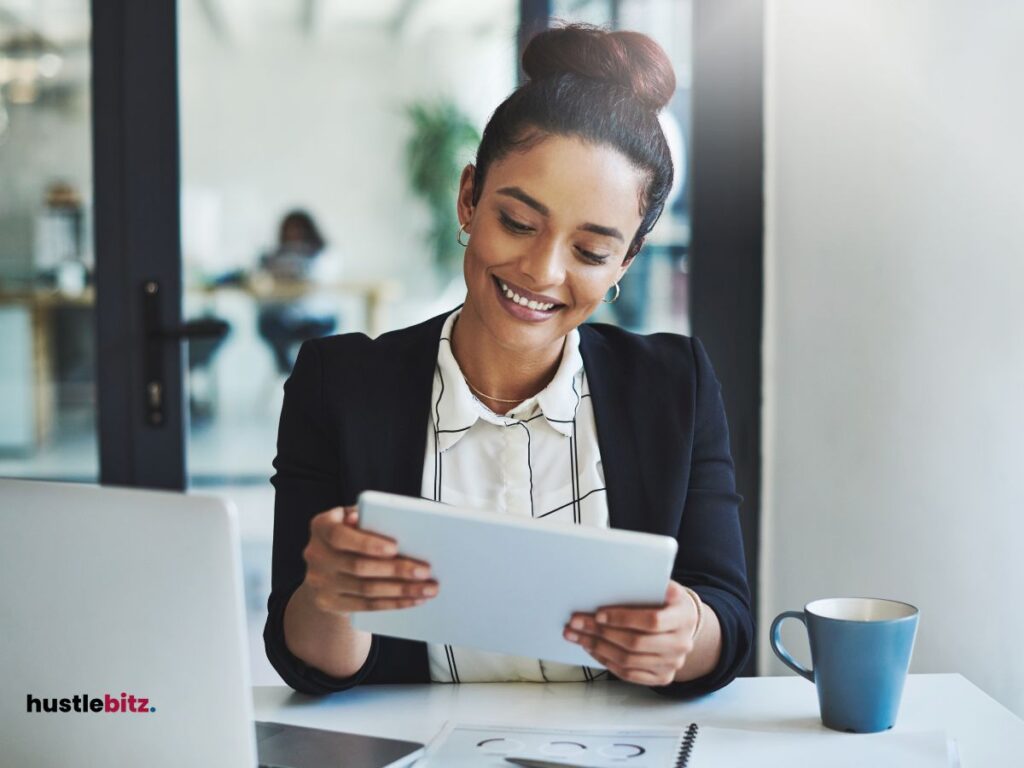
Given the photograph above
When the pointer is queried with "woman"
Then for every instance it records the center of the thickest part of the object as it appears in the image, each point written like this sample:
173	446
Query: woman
523	409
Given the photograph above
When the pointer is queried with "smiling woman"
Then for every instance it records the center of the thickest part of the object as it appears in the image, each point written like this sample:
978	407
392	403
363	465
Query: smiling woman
527	409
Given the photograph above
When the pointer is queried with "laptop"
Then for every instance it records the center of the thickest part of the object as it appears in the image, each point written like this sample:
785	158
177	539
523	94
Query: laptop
124	638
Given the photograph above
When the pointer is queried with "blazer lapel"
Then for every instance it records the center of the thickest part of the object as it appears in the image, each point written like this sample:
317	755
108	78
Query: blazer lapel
404	393
615	413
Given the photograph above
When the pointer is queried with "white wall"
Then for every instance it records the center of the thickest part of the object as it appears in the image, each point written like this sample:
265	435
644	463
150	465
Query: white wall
894	391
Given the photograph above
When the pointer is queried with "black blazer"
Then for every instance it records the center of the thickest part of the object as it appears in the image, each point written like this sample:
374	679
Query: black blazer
355	417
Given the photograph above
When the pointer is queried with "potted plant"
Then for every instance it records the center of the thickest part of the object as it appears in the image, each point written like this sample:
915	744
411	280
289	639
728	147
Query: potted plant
443	140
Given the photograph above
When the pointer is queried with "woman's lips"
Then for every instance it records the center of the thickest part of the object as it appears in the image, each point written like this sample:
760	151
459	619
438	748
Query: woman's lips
525	307
519	294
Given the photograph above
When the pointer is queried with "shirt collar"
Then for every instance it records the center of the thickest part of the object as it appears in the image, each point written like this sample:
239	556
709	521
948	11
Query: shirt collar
456	408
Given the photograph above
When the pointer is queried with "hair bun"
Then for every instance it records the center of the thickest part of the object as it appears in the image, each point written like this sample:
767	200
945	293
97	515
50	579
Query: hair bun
628	59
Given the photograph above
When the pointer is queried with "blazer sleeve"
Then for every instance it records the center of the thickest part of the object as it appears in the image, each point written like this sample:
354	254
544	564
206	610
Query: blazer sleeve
307	482
710	559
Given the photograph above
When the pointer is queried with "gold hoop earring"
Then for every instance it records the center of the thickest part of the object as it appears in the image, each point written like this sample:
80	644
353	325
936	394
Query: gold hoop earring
614	298
458	237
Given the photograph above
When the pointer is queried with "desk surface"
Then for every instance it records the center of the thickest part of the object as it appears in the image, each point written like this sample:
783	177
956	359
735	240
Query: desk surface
988	734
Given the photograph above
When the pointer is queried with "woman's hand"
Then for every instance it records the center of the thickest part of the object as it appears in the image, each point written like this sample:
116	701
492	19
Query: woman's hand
349	569
647	646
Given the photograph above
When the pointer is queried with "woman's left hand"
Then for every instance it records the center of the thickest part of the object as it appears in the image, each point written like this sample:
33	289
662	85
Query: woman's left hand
647	646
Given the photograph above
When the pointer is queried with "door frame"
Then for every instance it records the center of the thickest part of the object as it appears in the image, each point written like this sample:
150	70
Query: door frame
136	175
727	236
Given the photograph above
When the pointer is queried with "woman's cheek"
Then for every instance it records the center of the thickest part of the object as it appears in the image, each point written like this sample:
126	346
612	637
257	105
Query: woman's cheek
595	291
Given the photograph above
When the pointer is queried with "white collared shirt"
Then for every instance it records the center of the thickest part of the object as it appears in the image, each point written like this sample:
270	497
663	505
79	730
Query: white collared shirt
539	460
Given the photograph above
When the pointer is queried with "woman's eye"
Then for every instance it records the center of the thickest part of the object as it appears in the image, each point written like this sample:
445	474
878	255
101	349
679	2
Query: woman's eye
517	227
514	225
596	258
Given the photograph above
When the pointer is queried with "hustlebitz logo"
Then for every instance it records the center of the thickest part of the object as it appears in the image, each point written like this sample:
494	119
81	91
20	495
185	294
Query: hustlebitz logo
83	702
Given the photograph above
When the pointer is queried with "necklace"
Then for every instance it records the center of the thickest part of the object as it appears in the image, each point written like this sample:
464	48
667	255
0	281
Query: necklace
491	397
475	390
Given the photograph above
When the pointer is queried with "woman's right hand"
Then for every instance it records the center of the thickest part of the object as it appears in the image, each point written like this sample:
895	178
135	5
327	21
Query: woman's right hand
349	569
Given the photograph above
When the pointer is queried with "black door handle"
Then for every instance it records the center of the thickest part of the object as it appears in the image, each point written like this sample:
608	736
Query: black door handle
156	336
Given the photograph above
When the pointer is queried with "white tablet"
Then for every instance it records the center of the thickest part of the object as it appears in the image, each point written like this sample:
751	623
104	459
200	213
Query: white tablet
510	584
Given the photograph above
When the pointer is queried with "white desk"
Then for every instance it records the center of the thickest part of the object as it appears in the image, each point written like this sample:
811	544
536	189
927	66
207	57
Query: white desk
988	734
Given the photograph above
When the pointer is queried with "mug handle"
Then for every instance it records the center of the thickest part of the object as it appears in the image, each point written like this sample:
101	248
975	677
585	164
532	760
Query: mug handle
780	651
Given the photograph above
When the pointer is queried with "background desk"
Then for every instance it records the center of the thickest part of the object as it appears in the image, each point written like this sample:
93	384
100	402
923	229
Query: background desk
988	734
30	381
375	295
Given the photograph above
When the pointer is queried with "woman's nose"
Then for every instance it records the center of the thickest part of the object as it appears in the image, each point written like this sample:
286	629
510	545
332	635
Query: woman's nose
543	263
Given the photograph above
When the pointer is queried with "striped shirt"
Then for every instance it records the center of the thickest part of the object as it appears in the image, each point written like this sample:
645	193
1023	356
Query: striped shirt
540	460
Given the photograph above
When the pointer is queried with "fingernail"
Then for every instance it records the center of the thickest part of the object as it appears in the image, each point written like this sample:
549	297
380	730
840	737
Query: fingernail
576	623
602	618
421	573
572	636
431	590
389	549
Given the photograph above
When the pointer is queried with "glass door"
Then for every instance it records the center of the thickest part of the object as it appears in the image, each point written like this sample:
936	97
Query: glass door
48	394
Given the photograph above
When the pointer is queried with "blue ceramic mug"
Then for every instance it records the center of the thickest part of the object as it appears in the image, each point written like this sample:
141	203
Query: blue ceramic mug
860	653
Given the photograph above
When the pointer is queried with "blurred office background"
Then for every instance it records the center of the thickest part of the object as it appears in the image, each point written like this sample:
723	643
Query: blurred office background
893	230
284	107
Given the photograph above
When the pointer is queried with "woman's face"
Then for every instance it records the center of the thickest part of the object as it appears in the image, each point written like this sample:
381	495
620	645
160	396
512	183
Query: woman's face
547	238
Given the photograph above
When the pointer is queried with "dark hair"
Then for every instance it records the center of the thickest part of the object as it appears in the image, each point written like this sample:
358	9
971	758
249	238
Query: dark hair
603	87
311	234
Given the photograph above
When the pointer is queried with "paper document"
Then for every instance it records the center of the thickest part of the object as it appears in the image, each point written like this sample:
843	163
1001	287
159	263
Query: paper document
465	745
481	745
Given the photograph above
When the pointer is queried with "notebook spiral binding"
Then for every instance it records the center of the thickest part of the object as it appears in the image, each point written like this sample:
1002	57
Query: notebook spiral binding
687	746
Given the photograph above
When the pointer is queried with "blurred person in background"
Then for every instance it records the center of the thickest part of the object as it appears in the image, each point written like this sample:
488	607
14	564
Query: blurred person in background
299	260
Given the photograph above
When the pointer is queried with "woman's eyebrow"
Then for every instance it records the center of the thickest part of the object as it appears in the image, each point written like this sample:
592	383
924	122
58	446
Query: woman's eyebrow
599	230
521	196
518	194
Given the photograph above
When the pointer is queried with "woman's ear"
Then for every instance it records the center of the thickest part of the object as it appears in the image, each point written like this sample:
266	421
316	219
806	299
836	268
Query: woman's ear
464	204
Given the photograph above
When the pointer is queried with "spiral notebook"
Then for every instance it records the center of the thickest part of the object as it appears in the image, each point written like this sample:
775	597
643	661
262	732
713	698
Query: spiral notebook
461	745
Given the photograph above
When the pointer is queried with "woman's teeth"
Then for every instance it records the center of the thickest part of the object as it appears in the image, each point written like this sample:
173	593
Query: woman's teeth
524	302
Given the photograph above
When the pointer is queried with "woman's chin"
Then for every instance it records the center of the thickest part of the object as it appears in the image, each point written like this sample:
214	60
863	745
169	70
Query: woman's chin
524	336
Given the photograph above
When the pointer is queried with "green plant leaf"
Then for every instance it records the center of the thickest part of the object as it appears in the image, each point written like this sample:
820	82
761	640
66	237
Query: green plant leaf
442	140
